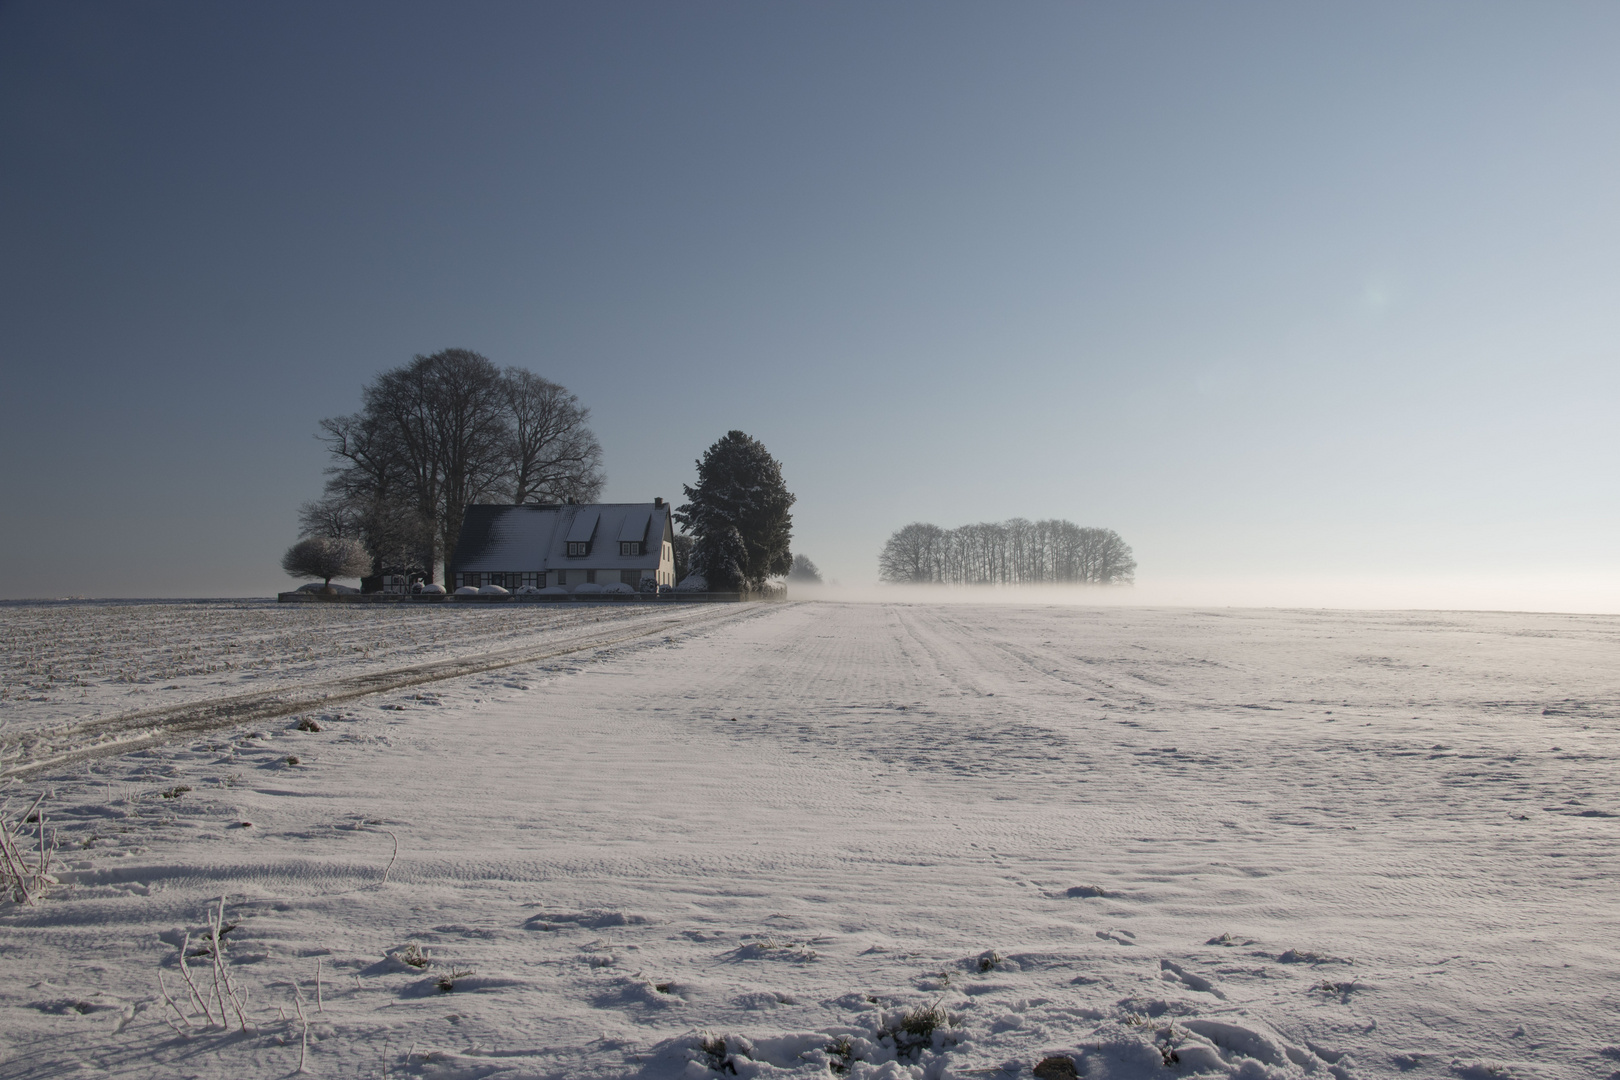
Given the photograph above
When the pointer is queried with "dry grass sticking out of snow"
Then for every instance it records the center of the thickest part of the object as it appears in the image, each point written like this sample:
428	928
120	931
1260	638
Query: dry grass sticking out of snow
872	842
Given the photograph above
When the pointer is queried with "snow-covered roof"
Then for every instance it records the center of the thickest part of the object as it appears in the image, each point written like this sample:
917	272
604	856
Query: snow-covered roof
584	526
635	525
527	539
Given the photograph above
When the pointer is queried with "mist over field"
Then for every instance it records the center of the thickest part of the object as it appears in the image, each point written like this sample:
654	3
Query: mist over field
1587	593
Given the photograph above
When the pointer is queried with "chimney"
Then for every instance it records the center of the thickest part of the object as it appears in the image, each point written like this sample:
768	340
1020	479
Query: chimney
658	501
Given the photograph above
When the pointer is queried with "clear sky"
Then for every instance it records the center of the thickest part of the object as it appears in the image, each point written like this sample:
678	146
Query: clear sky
1296	295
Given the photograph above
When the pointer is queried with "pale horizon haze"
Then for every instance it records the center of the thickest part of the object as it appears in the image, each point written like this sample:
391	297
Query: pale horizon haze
1314	305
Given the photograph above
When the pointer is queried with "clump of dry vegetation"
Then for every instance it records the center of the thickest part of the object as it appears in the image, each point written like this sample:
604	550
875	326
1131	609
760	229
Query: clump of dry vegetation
26	855
913	1030
411	955
218	1002
447	982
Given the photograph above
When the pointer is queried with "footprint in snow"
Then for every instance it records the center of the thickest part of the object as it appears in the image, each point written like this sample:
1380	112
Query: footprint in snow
1172	972
1300	956
596	919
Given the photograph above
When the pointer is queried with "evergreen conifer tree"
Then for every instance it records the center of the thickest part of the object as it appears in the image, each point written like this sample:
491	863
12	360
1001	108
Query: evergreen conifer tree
738	514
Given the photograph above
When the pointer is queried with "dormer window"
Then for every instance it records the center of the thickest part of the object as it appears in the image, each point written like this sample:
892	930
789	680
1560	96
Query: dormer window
578	548
630	547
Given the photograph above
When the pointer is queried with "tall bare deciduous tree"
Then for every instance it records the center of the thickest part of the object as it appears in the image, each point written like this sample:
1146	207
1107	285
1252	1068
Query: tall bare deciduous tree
1016	552
445	431
554	457
912	554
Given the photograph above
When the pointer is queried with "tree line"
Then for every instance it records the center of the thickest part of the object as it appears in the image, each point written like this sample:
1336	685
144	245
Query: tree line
436	435
1015	552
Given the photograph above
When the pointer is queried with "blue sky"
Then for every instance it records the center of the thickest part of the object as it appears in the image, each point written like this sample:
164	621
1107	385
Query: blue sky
1278	291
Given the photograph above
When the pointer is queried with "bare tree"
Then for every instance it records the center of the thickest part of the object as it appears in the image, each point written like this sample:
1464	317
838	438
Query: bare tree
326	557
553	455
471	434
913	554
445	431
330	515
372	491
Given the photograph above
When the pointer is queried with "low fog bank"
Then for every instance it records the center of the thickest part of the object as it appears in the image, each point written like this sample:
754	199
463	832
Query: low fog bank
1575	593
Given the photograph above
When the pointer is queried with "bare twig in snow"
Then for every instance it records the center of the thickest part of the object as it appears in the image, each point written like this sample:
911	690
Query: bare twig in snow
303	1045
185	973
222	974
392	857
169	1001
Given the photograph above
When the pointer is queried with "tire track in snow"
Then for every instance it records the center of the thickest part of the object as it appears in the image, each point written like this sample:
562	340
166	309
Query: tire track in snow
28	754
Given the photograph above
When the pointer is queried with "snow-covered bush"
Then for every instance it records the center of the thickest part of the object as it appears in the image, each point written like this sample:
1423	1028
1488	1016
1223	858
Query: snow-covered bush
619	588
693	583
316	586
467	590
588	587
493	590
432	590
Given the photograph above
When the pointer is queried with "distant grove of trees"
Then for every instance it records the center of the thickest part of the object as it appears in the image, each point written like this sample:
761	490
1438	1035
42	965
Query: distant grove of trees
1015	552
437	434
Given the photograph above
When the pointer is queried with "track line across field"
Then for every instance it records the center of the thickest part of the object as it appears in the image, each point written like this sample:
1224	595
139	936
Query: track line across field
32	752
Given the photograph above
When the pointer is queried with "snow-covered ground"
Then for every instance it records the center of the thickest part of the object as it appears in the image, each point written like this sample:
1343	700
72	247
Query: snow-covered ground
69	662
1146	843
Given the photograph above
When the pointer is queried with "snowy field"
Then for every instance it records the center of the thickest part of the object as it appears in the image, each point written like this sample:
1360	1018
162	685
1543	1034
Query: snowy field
866	840
74	661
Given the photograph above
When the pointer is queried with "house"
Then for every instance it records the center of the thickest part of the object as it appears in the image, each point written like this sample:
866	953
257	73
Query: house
551	546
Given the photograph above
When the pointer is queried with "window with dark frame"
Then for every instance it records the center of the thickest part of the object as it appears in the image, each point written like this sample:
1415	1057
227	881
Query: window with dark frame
578	548
630	547
590	577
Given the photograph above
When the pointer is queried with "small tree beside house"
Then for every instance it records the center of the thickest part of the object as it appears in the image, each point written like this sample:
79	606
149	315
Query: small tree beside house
327	557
